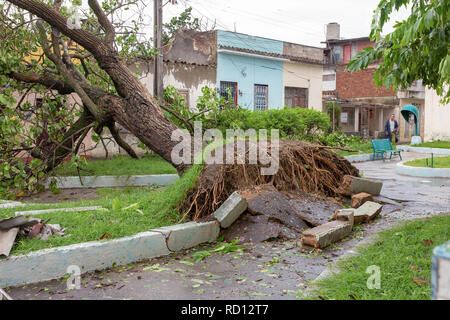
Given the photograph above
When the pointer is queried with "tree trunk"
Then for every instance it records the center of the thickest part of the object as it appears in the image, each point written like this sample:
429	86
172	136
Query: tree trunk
135	109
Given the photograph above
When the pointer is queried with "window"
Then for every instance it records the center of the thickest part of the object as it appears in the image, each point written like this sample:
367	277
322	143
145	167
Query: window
296	97
261	96
232	86
329	77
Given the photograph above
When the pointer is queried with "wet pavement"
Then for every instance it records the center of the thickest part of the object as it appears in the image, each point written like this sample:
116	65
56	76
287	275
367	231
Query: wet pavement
269	270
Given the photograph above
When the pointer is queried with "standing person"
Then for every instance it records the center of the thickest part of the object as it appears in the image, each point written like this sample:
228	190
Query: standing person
391	127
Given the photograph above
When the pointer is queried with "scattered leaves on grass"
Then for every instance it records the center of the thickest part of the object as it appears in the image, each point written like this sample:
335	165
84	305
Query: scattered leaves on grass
105	236
428	243
420	280
415	268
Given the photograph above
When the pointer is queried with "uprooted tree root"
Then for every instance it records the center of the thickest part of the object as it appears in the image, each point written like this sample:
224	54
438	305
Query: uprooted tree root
302	166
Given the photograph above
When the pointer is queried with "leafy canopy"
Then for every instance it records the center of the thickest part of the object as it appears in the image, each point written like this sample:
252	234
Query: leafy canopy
418	48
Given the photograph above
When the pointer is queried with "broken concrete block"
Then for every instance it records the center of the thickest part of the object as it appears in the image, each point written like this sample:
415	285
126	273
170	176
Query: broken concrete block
359	199
345	215
7	238
230	210
367	212
189	235
326	234
365	185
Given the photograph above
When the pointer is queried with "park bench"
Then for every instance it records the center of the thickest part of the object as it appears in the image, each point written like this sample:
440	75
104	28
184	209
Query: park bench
383	146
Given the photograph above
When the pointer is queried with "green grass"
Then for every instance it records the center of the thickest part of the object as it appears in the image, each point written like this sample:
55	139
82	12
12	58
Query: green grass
403	255
156	208
119	166
435	144
438	162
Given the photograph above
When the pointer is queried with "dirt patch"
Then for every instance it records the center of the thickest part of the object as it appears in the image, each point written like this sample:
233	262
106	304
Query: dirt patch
302	167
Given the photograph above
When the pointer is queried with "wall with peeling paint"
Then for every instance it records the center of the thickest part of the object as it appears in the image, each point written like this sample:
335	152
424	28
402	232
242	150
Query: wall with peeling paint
302	75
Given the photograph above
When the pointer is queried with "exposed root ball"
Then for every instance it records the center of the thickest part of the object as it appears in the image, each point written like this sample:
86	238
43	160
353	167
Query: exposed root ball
303	166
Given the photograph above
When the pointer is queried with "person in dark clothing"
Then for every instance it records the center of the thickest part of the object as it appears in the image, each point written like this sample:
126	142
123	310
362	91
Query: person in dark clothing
391	127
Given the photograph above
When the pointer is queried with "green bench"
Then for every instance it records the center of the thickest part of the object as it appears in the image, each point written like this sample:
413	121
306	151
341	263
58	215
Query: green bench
382	147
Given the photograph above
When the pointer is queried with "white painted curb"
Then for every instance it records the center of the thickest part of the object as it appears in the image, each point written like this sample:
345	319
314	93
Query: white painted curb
78	209
360	157
422	172
52	263
113	181
424	150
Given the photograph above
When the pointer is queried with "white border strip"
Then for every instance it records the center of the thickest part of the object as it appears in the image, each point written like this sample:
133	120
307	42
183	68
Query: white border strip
422	172
424	150
113	181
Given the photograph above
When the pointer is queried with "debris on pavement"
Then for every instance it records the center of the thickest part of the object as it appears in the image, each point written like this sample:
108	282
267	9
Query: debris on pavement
359	199
370	186
326	234
367	212
30	228
7	240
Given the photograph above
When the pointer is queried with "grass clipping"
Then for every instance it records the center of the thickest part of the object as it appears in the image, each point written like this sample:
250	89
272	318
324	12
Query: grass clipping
302	166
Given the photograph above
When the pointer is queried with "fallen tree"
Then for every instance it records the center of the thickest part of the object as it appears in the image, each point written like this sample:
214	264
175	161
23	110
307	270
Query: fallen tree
109	94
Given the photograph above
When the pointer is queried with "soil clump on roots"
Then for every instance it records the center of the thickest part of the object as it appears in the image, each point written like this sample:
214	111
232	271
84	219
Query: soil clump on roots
303	168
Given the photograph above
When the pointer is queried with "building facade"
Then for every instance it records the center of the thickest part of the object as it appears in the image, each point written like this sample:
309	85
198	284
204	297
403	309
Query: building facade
365	107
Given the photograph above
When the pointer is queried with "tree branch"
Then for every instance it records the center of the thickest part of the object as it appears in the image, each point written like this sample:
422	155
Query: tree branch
104	21
121	142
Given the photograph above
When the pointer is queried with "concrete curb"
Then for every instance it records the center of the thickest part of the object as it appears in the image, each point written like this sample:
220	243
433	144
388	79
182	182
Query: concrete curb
78	209
359	157
422	172
53	263
5	204
113	181
333	268
424	150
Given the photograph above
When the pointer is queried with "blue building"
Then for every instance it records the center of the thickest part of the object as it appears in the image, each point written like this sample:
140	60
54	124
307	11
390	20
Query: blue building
255	73
254	79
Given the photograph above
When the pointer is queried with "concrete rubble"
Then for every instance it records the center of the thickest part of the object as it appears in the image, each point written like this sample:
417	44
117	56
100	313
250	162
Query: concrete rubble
10	228
360	198
370	186
326	234
367	212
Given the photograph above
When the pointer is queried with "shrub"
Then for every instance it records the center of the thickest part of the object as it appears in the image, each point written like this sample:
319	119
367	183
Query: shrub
215	112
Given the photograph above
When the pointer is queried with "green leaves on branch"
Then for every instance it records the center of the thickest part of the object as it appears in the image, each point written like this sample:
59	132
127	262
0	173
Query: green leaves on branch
418	48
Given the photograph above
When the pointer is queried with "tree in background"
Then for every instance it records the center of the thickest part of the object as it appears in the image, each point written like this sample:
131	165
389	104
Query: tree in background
184	20
418	48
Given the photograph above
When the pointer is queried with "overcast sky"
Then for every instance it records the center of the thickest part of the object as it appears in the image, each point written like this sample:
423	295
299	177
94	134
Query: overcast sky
298	21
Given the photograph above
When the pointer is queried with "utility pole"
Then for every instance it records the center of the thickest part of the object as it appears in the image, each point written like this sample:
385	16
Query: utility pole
158	87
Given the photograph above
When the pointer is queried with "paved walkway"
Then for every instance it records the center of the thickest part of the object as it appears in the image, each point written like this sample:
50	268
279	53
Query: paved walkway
272	270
